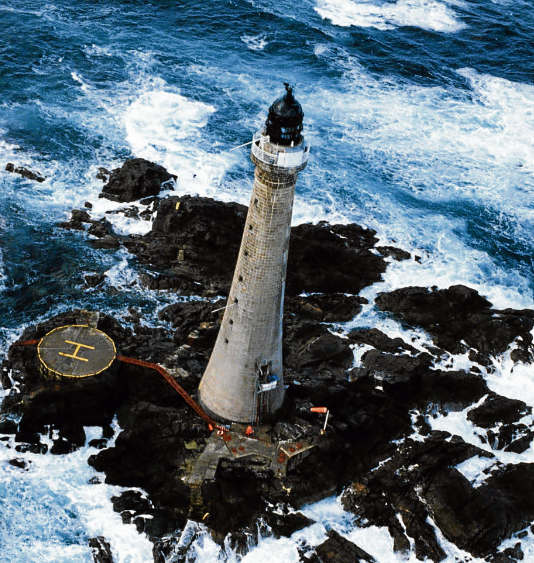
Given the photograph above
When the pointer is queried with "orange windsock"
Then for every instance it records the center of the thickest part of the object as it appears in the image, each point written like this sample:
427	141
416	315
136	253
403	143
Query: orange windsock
322	410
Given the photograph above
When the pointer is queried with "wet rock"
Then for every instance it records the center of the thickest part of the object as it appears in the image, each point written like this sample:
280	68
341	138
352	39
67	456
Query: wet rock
106	242
88	205
32	448
287	524
332	258
102	174
497	409
100	229
132	501
130	212
136	179
20	463
72	225
101	550
61	446
459	314
396	253
411	380
515	552
80	216
8	424
336	549
25	173
28	437
94	280
330	308
394	491
377	339
5	381
99	444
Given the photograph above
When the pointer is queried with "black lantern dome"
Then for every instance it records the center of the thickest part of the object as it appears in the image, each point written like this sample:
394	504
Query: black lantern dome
284	123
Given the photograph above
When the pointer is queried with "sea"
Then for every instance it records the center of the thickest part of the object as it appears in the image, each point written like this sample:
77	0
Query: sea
420	115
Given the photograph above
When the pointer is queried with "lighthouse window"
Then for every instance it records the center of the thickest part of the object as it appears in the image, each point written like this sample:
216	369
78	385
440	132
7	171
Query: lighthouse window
240	278
231	321
236	300
256	201
226	340
250	227
246	252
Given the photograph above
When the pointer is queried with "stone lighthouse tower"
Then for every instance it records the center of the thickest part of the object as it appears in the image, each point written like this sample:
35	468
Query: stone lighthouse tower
244	380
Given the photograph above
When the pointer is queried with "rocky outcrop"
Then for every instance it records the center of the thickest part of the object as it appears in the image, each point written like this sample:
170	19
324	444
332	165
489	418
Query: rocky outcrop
136	179
101	550
337	549
25	173
459	319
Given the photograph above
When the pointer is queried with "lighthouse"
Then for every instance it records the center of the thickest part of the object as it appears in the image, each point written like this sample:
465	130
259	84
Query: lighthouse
244	381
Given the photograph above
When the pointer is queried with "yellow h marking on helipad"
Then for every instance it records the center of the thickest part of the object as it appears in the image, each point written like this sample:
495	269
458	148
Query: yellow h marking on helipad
78	346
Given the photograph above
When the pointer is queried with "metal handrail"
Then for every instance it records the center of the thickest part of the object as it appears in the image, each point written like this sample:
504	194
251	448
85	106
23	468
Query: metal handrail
278	158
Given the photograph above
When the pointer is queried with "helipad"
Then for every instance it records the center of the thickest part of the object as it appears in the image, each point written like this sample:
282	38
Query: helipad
76	351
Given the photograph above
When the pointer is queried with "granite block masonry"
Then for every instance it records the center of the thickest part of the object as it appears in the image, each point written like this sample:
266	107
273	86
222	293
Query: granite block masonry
244	378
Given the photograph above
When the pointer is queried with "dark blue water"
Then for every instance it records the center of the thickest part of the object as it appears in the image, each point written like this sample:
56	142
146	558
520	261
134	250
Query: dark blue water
420	114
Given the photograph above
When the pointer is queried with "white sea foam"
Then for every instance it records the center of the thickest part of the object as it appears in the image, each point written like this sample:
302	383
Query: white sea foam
166	127
426	14
439	147
511	379
49	511
458	425
255	42
472	469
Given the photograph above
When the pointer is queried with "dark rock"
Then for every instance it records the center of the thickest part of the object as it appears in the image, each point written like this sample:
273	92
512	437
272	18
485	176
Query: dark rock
336	549
332	258
106	242
101	550
32	448
395	253
94	481
6	383
94	280
103	174
131	212
411	380
25	173
8	424
498	409
100	229
459	314
80	216
320	347
72	226
62	446
331	308
515	552
20	463
132	501
136	179
88	205
28	437
73	432
287	524
377	339
500	558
